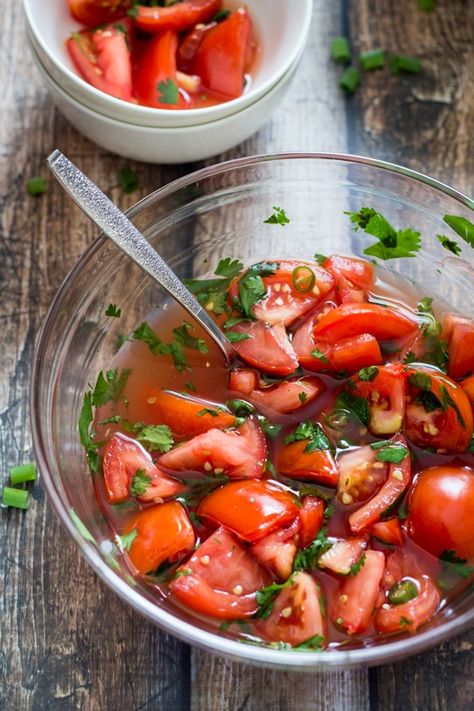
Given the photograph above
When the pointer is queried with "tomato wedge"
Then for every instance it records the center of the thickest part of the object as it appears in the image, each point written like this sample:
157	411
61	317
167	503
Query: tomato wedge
289	297
98	12
359	474
389	532
352	354
252	509
357	596
302	459
220	579
123	458
224	54
267	347
384	389
354	277
102	57
296	615
186	416
239	454
178	17
278	550
468	387
439	414
343	555
154	77
163	532
285	397
311	519
459	332
351	320
399	477
408	616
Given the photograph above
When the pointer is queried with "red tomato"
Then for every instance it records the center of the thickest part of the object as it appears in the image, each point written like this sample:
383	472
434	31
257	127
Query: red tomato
296	614
441	510
352	354
311	519
243	380
354	604
293	461
183	414
468	387
351	320
399	476
288	297
278	550
285	397
389	532
239	454
343	555
385	394
189	46
359	474
459	332
164	532
224	54
353	277
408	616
102	58
178	17
439	414
154	76
123	457
98	12
220	579
267	348
252	509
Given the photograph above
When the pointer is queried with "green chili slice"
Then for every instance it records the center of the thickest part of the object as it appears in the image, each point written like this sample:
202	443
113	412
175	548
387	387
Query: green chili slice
303	279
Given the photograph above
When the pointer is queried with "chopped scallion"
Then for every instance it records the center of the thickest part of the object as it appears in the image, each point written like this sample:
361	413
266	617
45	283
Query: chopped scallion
402	63
373	59
17	498
340	50
36	186
23	472
350	80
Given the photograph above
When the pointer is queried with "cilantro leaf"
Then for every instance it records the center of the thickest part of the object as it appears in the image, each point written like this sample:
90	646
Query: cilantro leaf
389	452
168	92
190	386
307	558
113	311
266	597
87	436
449	244
270	429
147	335
302	396
456	564
228	268
278	217
320	258
313	643
140	483
235	337
316	353
462	226
357	566
207	411
212	293
368	374
126	540
357	407
156	437
109	386
392	244
183	336
251	286
313	432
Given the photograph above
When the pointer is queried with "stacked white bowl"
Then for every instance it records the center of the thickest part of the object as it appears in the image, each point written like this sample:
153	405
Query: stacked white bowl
162	135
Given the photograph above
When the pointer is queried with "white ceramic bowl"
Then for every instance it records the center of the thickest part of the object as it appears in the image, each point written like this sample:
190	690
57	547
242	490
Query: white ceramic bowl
154	144
281	28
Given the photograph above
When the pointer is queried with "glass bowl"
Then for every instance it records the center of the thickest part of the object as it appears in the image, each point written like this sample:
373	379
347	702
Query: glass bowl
217	212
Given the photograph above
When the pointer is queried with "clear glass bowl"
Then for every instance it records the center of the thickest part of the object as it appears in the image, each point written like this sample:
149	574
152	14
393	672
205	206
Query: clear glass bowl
215	212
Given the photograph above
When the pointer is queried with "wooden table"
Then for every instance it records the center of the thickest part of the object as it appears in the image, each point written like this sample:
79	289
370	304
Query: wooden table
66	641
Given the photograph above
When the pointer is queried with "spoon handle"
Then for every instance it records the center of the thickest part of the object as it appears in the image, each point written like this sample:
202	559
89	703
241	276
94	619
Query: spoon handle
115	225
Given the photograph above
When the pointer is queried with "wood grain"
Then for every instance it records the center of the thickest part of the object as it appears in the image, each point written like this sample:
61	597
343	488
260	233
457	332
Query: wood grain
66	642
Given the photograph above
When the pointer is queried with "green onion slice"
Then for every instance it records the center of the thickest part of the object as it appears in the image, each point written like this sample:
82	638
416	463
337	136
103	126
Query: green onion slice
303	279
18	498
22	473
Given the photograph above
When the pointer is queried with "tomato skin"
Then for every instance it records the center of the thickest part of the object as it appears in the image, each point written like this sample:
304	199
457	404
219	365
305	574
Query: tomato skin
164	532
318	466
351	320
389	532
311	519
180	413
121	460
399	477
441	510
352	354
243	380
98	12
268	347
468	387
102	58
410	615
385	395
354	277
278	550
354	604
343	555
437	428
251	509
284	397
211	575
460	334
303	601
239	454
358	477
224	53
179	17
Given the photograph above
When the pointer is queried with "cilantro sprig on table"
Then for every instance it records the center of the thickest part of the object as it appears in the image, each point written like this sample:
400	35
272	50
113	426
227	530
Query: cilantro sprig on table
392	243
278	217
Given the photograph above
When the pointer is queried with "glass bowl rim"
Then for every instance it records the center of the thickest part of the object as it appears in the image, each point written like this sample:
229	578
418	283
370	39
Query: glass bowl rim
187	632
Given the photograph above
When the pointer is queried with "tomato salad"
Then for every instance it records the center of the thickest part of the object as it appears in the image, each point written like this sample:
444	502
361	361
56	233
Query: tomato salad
319	491
169	55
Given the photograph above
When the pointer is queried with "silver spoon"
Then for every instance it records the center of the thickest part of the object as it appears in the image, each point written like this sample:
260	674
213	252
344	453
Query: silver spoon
115	225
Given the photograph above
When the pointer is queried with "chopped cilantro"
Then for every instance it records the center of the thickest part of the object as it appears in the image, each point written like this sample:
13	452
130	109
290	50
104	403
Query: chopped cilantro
183	336
278	217
232	322
307	558
237	337
420	380
121	339
113	311
241	408
128	180
251	286
228	268
389	452
127	539
320	259
109	386
357	566
357	407
405	622
328	511
311	431
207	411
180	572
156	437
270	429
266	597
368	374
313	643
196	489
190	386
302	396
392	244
220	15
456	564
212	293
140	483
113	420
316	353
449	244
462	226
86	435
168	92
